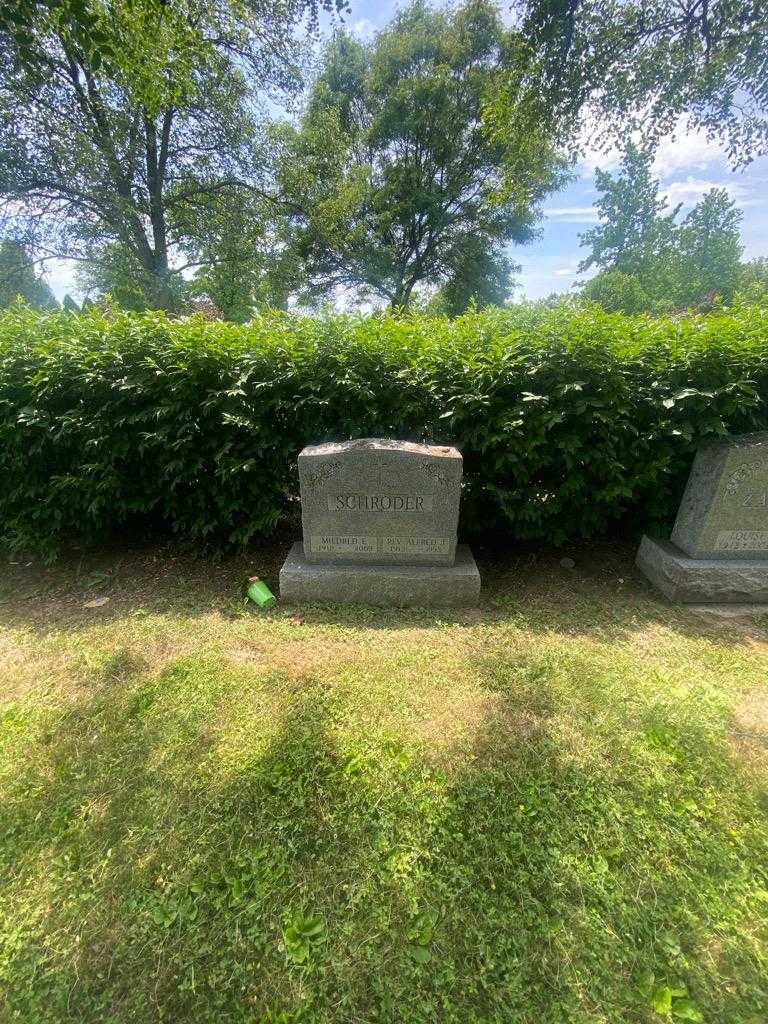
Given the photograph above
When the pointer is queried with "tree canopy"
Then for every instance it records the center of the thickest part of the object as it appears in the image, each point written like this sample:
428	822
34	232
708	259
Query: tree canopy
710	250
19	280
753	281
596	70
646	256
137	137
391	180
116	128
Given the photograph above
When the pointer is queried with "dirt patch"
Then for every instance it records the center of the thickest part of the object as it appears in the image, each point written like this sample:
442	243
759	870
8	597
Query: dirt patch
136	579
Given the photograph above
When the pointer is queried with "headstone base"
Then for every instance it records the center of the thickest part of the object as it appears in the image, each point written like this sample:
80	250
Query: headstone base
702	580
396	586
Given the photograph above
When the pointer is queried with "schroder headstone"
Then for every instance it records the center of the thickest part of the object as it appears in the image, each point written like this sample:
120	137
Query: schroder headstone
718	551
379	522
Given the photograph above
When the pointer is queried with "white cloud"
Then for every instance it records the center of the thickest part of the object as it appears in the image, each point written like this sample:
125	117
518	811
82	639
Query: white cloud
684	149
363	28
565	271
593	159
573	214
690	191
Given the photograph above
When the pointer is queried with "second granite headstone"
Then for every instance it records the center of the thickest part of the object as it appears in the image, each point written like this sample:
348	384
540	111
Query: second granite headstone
724	511
718	551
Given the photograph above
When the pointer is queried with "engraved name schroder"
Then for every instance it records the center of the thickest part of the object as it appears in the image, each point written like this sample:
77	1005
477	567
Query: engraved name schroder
380	503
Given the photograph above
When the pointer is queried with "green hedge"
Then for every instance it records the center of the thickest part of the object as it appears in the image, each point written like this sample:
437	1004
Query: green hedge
570	422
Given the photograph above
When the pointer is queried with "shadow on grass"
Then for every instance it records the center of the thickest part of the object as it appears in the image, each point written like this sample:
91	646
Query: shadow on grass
152	869
603	596
209	846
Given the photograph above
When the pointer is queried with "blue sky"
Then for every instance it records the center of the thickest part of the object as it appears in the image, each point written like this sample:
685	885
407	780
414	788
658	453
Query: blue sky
687	164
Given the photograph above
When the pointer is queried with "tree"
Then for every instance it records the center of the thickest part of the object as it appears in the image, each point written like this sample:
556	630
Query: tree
243	259
674	264
113	271
18	19
635	235
753	281
18	279
710	250
595	70
114	125
69	305
391	182
483	278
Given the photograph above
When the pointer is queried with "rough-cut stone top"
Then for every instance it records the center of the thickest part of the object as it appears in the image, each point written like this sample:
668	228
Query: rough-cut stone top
380	501
756	441
373	444
724	510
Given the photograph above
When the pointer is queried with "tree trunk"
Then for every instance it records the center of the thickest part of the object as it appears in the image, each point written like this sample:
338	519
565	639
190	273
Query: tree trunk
156	157
402	296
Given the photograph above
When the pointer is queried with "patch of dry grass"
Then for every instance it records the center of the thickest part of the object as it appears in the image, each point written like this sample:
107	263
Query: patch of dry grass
749	728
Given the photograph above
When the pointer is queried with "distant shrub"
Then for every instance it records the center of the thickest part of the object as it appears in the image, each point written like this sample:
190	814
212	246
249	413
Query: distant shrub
569	421
753	283
617	292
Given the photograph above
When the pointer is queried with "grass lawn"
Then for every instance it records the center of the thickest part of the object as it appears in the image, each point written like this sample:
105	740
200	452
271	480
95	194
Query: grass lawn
552	809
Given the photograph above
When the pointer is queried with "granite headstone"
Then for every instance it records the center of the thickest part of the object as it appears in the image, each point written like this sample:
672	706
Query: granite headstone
380	502
724	511
718	550
379	522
